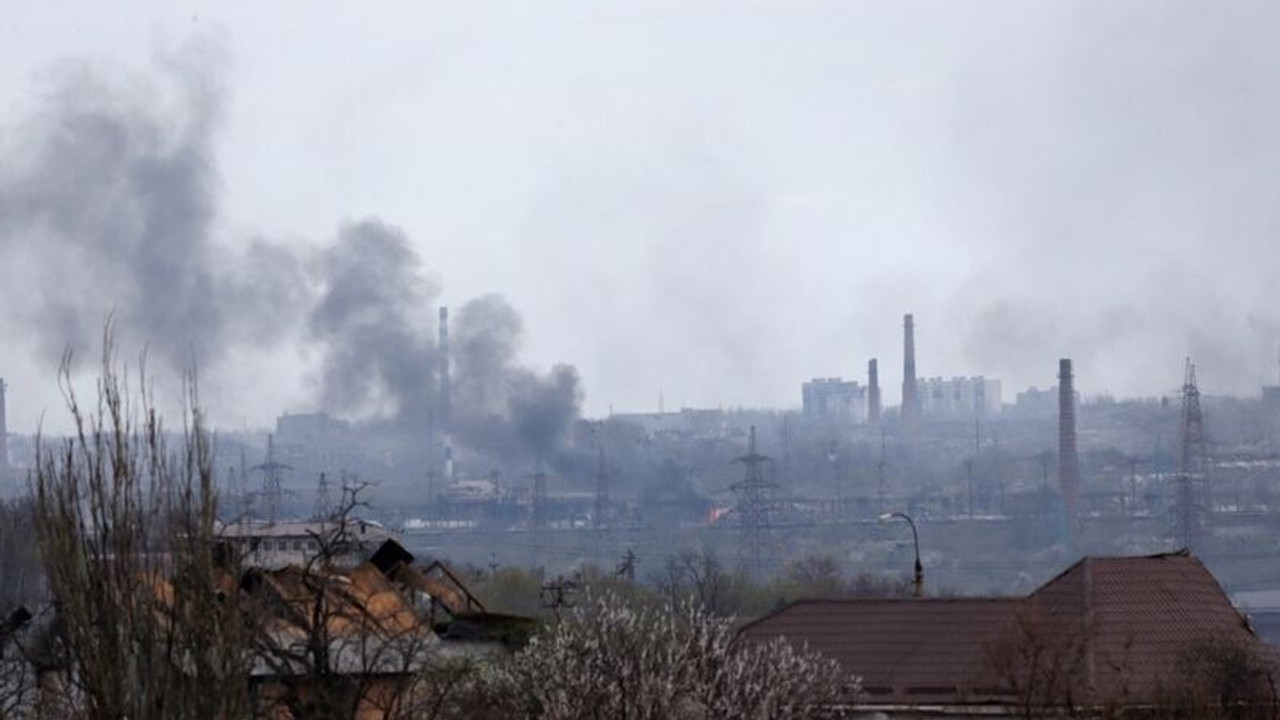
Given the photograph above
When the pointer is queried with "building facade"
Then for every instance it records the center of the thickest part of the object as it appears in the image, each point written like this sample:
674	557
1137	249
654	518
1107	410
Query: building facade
833	400
959	398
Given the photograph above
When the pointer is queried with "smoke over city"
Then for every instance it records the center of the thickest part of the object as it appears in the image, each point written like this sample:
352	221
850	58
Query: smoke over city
112	198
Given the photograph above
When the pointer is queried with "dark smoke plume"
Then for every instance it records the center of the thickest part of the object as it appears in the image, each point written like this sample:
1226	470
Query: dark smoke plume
503	407
372	320
108	205
107	202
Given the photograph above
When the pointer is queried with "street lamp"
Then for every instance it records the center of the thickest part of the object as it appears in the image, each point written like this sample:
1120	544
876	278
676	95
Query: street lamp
918	581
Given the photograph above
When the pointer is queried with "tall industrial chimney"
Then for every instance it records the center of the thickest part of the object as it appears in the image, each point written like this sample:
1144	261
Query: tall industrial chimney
873	392
910	393
445	411
4	440
1068	457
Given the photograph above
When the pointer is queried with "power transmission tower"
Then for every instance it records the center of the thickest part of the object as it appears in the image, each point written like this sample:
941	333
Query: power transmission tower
753	508
324	503
1190	485
272	477
537	509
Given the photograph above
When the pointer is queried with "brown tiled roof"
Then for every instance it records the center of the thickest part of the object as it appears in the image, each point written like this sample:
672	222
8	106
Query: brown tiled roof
1115	628
905	650
1135	617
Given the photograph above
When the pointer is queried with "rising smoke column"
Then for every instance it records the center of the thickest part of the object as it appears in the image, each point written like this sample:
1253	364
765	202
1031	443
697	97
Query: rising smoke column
380	360
372	322
108	199
501	408
109	204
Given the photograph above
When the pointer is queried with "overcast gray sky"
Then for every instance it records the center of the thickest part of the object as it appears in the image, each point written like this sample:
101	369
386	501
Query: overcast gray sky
720	199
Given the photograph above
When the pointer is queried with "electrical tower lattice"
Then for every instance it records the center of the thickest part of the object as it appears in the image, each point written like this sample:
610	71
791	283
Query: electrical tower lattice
272	481
754	508
537	512
1190	485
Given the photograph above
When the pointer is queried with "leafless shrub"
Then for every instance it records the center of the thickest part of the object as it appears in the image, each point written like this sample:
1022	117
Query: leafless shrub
1038	664
1223	678
126	533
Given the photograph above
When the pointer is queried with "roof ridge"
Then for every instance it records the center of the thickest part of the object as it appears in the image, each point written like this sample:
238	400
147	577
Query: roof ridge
1182	553
936	599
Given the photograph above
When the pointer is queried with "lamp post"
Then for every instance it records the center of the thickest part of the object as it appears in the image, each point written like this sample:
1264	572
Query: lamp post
917	581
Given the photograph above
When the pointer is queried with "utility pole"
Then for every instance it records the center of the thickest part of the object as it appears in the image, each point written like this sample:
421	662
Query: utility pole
753	508
627	568
558	594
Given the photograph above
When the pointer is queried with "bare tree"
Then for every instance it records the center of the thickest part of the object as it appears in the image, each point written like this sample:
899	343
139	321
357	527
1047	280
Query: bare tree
698	577
1218	677
147	627
1038	663
337	643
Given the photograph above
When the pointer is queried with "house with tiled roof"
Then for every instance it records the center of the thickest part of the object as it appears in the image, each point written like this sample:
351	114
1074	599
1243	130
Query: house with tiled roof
1107	635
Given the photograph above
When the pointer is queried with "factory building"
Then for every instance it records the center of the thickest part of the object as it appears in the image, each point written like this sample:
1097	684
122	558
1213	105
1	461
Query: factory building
959	398
833	400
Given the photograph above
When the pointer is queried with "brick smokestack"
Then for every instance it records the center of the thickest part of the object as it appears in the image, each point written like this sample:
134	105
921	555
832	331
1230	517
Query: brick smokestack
1068	456
910	393
873	392
4	439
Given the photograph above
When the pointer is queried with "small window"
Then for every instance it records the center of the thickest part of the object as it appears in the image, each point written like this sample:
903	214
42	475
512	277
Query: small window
297	545
311	545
